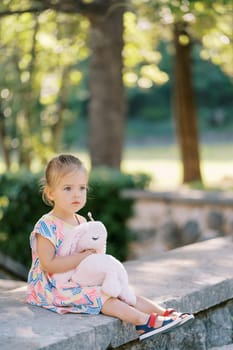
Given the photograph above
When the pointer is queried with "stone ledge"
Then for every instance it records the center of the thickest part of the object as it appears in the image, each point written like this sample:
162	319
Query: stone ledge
13	267
183	196
185	276
224	347
193	278
166	220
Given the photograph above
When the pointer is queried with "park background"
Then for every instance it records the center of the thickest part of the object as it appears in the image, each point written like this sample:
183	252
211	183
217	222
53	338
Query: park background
140	91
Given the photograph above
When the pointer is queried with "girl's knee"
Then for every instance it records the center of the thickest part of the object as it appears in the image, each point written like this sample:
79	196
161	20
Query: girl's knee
107	303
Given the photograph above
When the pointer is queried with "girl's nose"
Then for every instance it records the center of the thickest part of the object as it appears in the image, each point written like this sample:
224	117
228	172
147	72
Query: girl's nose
77	193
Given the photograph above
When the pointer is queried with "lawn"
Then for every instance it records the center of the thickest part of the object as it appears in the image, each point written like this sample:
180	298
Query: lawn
165	168
163	163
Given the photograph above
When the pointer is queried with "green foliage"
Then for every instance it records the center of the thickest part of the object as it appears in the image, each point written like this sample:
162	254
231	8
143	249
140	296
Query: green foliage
21	206
208	23
40	56
213	94
44	57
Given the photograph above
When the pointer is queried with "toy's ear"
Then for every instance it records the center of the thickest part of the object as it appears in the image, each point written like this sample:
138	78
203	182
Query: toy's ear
80	232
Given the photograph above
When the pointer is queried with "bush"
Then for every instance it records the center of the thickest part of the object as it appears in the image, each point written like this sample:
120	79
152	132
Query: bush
21	206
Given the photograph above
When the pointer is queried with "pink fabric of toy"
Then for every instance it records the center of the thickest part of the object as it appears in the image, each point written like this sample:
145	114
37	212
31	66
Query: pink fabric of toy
96	269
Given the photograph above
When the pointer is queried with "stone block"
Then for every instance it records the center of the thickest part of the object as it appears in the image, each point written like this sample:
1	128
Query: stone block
196	278
219	327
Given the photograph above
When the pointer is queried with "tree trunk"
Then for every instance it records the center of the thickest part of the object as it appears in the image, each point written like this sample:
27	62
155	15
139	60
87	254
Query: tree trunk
184	105
57	128
107	100
26	152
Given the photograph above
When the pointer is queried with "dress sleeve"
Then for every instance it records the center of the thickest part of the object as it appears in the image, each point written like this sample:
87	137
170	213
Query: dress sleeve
45	228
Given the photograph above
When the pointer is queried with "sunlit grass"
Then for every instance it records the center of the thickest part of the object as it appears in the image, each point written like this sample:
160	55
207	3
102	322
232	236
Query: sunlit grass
164	174
165	168
163	164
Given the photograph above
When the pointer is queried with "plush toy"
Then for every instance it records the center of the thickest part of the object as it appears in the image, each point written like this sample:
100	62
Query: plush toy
97	269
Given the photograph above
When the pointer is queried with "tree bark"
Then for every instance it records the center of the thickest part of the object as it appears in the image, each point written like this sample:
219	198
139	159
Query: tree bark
26	151
107	100
57	128
184	107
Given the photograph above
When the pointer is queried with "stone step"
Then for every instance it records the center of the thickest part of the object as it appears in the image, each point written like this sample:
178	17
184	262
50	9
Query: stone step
223	347
11	268
191	278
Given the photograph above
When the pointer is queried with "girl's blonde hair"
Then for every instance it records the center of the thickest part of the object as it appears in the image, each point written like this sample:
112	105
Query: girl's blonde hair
56	169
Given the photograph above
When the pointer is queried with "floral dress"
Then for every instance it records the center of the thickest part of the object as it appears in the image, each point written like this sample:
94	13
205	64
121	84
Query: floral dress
43	290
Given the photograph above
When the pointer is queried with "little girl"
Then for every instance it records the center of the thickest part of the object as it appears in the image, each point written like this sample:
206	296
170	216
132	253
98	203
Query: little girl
65	189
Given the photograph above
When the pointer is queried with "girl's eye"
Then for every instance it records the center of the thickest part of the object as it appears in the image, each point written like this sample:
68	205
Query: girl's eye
67	188
83	188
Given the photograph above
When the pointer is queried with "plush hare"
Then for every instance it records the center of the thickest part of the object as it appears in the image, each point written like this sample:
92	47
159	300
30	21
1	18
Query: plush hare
97	269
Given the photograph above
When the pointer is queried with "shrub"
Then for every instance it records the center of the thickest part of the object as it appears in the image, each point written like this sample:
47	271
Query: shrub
21	206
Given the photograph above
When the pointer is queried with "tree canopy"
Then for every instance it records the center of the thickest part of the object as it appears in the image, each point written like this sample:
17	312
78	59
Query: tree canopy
46	49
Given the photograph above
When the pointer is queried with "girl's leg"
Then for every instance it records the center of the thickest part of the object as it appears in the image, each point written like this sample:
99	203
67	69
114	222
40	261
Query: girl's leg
137	316
147	306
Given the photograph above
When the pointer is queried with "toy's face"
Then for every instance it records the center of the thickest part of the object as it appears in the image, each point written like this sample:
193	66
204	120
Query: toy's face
94	237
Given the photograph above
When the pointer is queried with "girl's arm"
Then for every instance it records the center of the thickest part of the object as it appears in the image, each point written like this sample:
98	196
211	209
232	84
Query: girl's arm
57	264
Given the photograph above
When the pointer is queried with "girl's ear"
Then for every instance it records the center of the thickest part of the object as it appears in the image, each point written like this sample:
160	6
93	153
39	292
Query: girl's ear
48	193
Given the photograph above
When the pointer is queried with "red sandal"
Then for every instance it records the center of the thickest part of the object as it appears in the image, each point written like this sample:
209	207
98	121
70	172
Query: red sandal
185	317
148	330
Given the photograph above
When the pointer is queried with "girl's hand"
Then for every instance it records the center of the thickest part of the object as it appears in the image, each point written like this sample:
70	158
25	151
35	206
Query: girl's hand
86	253
52	263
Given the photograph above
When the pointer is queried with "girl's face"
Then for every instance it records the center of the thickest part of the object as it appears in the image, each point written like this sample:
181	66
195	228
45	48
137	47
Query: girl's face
69	195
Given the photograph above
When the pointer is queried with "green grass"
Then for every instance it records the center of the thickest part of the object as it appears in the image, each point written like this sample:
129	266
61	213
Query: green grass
165	168
163	164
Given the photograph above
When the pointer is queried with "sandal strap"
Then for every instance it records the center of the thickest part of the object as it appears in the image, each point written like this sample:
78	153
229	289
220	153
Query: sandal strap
168	312
152	320
150	323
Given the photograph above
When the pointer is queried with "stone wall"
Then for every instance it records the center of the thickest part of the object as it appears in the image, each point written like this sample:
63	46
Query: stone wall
197	278
212	329
166	220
